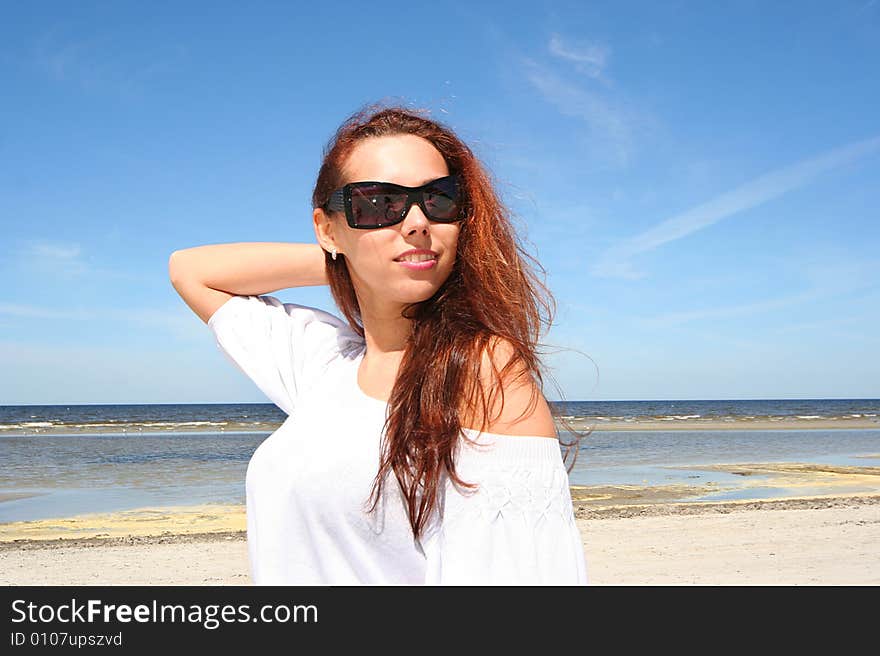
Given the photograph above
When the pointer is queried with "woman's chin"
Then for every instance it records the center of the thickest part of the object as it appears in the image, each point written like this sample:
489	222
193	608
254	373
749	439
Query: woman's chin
416	293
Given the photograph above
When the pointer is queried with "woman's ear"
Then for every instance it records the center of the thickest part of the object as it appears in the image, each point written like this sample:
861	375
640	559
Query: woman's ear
323	225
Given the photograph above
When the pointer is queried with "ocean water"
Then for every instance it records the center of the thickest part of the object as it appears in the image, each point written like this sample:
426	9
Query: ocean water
63	460
259	417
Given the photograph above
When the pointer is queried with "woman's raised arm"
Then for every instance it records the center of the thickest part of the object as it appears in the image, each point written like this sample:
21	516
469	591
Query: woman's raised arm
208	276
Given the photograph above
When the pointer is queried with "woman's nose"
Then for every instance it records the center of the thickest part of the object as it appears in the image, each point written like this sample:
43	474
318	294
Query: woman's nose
415	219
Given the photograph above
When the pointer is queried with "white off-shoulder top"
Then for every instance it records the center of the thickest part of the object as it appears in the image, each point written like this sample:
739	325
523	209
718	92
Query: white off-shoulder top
308	484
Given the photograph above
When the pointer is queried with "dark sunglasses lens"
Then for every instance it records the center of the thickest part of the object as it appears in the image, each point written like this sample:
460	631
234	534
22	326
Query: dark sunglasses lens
443	200
374	205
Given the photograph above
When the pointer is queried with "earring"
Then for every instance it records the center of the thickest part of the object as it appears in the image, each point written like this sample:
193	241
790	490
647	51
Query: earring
333	253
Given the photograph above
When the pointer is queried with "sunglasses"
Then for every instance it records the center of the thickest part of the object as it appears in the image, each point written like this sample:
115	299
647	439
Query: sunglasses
370	205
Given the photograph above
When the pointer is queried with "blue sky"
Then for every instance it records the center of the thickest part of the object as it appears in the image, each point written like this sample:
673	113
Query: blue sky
701	184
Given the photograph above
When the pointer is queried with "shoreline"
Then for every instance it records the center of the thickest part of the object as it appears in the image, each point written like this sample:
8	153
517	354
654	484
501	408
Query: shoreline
842	423
725	425
759	486
581	512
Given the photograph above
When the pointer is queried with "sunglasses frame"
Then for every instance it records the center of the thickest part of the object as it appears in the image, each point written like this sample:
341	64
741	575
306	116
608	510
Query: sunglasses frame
341	200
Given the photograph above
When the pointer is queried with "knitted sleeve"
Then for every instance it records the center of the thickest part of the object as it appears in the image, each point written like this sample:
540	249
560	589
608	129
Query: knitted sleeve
281	347
518	528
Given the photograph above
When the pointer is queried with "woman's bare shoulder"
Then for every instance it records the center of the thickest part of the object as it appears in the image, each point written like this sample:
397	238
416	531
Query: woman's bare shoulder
519	406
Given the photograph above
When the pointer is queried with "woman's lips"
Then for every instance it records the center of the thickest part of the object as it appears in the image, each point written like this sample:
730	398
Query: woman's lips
418	266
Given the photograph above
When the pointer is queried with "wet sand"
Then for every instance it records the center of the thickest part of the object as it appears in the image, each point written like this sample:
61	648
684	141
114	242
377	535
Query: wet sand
173	521
822	527
773	480
733	424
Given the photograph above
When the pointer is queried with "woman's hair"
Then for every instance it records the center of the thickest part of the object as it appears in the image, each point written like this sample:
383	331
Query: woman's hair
491	295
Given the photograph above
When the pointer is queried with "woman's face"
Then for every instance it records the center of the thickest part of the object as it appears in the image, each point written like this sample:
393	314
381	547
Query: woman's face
382	283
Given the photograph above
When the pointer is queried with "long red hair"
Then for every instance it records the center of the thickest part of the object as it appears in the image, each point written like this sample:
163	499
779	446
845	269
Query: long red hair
492	293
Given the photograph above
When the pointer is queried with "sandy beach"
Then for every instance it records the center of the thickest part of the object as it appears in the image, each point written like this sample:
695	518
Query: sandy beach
824	532
822	541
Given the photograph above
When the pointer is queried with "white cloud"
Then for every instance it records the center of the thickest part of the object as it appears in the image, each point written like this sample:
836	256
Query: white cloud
589	58
180	323
102	63
65	60
44	373
41	312
609	124
66	252
65	260
616	262
55	258
827	280
745	309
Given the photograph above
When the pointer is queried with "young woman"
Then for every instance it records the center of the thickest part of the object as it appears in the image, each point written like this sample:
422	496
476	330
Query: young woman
418	447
